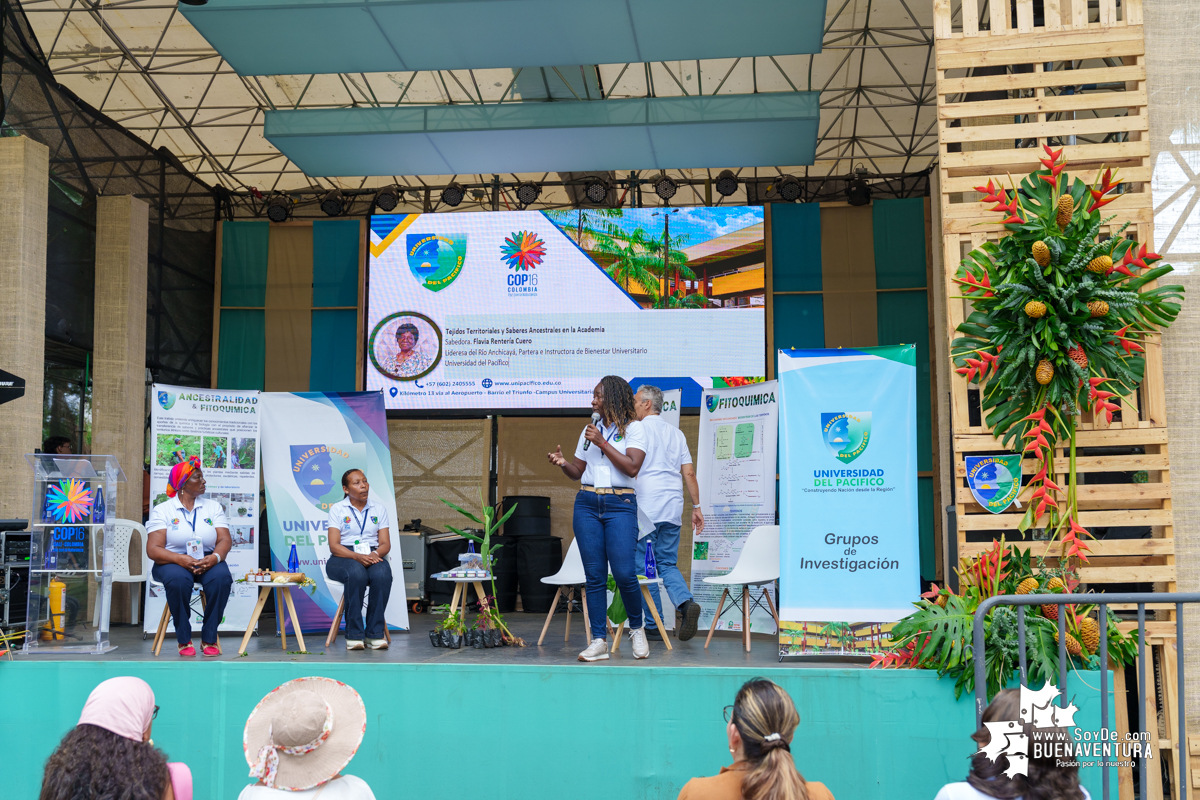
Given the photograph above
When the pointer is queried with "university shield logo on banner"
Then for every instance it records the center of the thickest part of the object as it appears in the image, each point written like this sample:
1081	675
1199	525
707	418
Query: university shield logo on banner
317	470
166	399
994	480
846	433
436	259
713	400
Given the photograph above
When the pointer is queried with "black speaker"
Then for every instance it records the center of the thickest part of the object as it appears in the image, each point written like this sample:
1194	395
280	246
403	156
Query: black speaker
537	557
439	557
531	517
506	576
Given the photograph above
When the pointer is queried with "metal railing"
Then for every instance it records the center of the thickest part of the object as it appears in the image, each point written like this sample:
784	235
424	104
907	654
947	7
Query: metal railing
1103	601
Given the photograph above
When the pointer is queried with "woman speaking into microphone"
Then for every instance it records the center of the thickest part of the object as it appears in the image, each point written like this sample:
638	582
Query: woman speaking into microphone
607	459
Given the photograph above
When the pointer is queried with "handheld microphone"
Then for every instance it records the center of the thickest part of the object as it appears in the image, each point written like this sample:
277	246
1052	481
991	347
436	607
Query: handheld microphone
595	421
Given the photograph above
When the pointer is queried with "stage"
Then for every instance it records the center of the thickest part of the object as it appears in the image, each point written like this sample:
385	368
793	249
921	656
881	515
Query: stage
525	723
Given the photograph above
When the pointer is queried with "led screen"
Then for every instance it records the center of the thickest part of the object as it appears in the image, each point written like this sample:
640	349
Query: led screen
525	309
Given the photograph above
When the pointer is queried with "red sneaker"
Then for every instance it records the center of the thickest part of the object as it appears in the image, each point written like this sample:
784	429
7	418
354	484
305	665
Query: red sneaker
210	650
187	650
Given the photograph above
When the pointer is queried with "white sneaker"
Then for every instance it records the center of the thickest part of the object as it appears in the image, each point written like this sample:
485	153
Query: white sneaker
641	648
596	651
377	644
354	644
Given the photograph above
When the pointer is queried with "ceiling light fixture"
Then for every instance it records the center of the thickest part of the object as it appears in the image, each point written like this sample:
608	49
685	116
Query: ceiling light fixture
726	183
279	207
596	190
528	193
790	188
453	194
858	192
665	187
333	203
387	198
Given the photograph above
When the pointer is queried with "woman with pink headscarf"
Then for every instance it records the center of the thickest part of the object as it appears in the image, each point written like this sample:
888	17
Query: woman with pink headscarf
109	753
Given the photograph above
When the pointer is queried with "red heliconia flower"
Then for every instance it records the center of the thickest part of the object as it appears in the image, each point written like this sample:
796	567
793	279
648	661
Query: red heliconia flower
1039	415
1130	346
933	592
968	371
990	192
1106	185
1054	155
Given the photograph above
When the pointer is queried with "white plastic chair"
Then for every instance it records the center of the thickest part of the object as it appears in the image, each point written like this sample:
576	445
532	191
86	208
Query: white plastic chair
123	530
568	576
758	565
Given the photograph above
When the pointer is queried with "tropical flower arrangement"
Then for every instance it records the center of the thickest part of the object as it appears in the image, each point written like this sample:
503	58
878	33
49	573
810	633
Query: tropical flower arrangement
1060	323
940	633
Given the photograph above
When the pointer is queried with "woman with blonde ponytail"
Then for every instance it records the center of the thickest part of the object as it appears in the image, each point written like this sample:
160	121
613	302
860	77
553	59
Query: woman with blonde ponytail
761	724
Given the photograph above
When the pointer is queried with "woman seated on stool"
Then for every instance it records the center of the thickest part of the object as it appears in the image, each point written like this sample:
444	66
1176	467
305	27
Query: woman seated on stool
187	538
359	541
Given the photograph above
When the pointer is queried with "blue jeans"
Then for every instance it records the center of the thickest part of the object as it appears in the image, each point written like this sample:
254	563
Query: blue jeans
665	537
606	529
179	583
356	579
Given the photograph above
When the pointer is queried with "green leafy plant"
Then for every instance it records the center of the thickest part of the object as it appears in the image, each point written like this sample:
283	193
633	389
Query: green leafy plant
453	623
939	635
1059	325
491	521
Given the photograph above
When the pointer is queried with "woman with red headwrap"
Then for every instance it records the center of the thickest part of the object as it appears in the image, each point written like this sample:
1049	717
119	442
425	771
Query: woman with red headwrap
187	538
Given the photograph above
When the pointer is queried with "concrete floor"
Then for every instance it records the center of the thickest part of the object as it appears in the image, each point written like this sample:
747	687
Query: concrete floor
409	647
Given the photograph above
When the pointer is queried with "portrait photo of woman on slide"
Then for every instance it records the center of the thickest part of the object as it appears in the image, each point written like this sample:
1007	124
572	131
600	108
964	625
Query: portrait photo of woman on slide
406	346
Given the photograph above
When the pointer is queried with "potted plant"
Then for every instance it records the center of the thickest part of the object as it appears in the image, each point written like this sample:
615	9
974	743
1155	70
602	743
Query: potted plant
490	523
449	632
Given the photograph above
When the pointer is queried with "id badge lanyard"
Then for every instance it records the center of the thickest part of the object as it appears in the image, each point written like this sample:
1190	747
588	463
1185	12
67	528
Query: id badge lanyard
361	525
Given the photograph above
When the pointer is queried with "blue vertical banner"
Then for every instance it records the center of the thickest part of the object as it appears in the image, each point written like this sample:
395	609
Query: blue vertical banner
309	440
849	550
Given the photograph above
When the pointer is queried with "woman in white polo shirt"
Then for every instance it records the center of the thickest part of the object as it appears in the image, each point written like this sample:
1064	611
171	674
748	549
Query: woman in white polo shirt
607	459
359	541
187	538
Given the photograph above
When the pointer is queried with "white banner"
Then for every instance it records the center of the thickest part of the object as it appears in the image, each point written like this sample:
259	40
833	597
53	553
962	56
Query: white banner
736	467
670	410
221	427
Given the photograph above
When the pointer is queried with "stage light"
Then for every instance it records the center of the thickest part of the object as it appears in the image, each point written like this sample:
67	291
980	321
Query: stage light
528	193
333	203
858	193
596	190
387	198
279	207
726	183
453	194
789	188
665	187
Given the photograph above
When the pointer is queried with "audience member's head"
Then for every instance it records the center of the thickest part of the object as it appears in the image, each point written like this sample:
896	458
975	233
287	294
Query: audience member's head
762	721
1045	781
57	445
109	752
304	733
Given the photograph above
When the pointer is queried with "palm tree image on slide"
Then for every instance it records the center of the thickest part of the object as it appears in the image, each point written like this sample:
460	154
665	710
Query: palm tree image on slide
638	252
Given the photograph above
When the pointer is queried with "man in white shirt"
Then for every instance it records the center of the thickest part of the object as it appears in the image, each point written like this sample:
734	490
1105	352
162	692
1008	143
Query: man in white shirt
660	500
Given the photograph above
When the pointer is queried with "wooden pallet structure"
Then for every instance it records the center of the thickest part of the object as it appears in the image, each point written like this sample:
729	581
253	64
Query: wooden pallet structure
1005	87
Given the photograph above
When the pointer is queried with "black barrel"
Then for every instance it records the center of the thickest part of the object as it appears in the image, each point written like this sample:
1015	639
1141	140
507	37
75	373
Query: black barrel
439	557
537	557
505	572
531	517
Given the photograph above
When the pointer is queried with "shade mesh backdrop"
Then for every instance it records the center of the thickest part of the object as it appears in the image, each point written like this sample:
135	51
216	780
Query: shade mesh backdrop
1172	30
434	459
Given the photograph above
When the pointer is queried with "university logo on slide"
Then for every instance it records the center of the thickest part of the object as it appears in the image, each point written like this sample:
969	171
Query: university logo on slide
436	259
994	480
166	399
317	470
846	433
713	400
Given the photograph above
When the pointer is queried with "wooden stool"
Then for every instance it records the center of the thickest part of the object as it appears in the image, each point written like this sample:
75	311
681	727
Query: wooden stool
161	633
587	623
337	620
263	590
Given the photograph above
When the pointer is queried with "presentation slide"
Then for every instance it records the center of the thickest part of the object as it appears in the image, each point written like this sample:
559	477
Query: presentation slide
525	309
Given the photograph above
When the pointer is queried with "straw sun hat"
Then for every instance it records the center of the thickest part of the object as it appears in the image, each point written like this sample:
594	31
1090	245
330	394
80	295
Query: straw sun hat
303	733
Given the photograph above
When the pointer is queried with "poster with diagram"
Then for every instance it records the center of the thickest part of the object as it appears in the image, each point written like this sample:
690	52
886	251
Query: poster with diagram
735	466
221	428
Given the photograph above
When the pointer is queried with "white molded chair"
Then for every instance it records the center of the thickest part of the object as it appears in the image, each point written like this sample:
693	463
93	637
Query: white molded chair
569	575
123	530
341	608
758	565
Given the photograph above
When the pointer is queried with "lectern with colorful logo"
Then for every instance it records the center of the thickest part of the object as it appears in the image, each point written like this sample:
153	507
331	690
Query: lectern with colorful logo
71	552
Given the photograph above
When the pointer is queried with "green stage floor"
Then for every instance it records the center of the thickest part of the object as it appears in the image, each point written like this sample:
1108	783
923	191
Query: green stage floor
519	723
